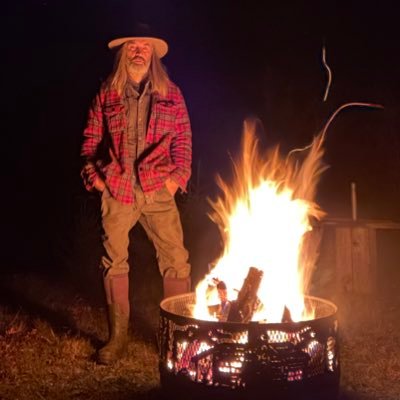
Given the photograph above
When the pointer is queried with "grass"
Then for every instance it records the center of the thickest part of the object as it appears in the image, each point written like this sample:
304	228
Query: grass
37	364
45	359
370	349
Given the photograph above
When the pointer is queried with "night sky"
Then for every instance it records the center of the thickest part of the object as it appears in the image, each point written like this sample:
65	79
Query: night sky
232	60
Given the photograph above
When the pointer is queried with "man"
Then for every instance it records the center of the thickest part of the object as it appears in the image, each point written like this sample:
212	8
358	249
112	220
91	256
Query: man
137	149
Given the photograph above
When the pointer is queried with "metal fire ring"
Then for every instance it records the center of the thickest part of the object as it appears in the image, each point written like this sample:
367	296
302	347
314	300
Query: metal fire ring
232	360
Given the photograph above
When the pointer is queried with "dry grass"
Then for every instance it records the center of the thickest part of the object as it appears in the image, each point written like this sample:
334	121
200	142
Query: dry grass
370	349
50	355
37	364
43	360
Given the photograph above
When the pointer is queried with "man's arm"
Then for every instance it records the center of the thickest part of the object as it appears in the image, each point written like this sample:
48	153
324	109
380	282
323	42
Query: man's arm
92	136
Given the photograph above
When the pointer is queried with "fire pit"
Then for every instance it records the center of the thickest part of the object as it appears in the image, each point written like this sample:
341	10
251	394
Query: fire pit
241	360
244	336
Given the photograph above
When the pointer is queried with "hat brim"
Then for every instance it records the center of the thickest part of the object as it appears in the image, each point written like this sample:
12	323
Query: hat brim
160	46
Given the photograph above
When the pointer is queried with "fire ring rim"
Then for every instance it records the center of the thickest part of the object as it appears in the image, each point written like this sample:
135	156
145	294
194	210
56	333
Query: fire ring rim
281	325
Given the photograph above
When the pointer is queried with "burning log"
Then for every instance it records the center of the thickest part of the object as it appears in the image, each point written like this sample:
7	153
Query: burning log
242	309
286	317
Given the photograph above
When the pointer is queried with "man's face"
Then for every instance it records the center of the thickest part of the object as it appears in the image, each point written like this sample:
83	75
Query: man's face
138	54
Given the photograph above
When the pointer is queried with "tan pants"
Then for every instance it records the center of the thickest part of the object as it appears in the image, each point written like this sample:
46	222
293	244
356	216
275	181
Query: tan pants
160	218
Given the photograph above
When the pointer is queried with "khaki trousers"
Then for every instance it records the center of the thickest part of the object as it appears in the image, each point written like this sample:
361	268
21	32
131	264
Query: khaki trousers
160	218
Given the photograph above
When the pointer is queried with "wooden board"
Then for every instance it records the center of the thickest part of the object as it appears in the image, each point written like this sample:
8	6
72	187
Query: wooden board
344	268
363	260
356	264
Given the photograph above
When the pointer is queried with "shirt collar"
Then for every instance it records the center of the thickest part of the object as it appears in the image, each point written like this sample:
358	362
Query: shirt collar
137	89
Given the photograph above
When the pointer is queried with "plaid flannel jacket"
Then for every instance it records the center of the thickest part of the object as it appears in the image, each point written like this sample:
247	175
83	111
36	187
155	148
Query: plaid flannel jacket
168	142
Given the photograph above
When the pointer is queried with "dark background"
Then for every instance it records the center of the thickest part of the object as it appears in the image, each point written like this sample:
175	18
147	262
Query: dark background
232	60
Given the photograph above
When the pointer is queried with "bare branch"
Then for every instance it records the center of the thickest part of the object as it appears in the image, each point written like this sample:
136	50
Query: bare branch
329	71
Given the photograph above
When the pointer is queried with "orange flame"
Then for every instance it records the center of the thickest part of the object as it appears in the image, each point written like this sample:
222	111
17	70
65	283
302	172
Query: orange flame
265	222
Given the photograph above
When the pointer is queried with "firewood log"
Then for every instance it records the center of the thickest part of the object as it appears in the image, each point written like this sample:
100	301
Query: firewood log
242	309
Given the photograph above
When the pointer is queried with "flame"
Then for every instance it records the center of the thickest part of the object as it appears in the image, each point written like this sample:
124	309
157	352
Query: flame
265	222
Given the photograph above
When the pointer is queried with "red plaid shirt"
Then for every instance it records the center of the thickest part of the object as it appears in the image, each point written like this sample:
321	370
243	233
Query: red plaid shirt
168	143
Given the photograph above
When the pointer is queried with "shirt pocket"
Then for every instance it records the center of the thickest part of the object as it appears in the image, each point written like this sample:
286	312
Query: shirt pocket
114	118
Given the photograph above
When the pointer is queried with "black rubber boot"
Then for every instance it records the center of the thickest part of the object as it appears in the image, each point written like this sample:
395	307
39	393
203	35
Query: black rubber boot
117	344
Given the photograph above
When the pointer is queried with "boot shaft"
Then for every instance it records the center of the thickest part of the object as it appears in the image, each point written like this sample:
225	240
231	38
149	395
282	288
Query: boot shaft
116	288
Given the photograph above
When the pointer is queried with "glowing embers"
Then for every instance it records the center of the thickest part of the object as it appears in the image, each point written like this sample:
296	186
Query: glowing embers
185	351
290	355
218	365
212	357
290	337
221	358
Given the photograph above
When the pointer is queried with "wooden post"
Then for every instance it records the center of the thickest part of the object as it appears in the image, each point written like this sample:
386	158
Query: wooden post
353	201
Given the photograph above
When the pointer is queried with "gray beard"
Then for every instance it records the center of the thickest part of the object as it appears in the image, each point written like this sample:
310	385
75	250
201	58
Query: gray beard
138	69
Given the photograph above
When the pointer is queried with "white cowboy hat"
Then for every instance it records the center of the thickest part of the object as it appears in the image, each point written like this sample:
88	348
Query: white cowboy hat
142	32
159	45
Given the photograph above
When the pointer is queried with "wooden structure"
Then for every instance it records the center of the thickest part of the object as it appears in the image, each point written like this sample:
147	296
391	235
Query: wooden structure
353	247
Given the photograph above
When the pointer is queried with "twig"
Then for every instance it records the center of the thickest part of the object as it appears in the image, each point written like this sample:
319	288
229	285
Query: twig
329	71
15	317
359	104
41	396
46	339
323	134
